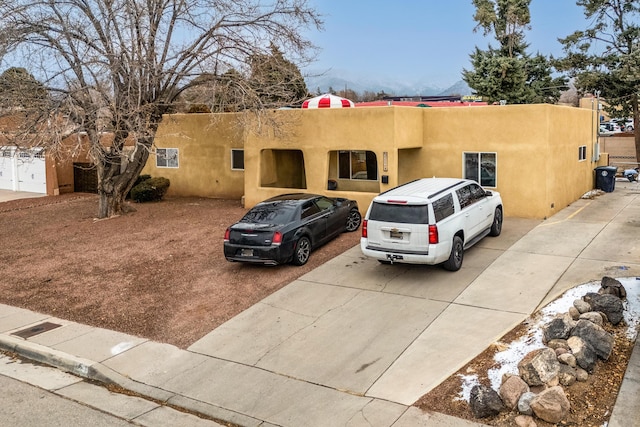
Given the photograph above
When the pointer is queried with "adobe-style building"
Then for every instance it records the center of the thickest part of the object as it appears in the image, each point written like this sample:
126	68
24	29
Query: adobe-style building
539	157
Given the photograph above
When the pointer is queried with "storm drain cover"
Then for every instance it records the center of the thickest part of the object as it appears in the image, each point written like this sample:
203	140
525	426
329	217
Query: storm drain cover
35	330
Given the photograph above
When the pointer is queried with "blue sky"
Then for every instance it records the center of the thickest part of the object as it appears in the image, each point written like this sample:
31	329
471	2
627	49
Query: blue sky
418	40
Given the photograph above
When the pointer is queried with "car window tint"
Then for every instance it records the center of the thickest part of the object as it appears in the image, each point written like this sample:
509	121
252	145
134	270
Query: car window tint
443	207
477	192
281	213
464	196
324	203
406	214
308	209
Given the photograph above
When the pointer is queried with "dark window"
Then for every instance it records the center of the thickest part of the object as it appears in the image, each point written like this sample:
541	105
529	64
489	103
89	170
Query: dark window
281	213
464	196
406	214
477	192
237	159
582	153
324	203
481	167
309	209
443	207
358	164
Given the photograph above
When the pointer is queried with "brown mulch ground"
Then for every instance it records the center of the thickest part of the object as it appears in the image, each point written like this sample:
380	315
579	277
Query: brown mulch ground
160	273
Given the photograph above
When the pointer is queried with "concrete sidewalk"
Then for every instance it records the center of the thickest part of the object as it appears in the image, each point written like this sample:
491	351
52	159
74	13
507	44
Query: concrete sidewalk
355	342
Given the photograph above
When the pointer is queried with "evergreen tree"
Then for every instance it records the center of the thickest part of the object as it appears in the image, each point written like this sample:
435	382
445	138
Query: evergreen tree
508	73
605	57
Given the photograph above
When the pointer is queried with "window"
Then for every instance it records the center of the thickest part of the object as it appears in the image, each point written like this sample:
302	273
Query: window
406	214
167	157
309	209
582	153
357	165
443	207
481	167
237	159
324	203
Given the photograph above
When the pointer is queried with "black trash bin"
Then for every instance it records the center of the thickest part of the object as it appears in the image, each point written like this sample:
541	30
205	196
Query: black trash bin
606	178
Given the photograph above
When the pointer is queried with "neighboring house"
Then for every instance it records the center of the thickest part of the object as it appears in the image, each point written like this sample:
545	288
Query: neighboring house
540	157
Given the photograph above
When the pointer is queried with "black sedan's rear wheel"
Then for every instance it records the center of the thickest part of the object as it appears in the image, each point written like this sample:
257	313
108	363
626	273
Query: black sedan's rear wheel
353	220
302	252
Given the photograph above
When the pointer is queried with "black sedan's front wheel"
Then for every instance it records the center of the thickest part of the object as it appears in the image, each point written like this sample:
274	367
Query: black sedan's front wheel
302	252
353	220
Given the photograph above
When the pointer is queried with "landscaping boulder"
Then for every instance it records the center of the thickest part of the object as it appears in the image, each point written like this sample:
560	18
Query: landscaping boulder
551	405
610	305
582	306
511	390
611	286
586	356
524	403
601	340
558	328
485	402
539	366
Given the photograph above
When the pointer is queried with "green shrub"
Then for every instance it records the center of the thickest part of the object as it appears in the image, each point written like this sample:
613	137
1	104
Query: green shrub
150	190
139	179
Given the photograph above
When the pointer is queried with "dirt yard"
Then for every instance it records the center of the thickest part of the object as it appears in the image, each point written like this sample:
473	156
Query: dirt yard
159	273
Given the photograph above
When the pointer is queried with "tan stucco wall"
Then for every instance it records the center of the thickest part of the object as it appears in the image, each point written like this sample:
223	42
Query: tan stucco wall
538	171
204	142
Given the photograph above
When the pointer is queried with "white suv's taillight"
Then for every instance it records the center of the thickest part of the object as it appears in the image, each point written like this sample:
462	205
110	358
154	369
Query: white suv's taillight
433	234
364	228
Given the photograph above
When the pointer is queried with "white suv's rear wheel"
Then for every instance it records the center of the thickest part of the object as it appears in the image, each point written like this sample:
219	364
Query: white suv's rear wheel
457	254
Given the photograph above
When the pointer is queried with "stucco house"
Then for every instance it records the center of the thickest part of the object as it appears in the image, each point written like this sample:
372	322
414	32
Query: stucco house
539	157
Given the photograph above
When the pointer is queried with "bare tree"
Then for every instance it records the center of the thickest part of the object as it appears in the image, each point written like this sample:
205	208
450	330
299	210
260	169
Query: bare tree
116	66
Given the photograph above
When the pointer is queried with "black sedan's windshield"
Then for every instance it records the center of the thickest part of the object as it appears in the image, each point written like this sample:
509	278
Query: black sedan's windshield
272	213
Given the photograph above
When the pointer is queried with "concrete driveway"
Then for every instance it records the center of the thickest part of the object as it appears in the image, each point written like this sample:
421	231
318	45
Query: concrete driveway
6	195
394	332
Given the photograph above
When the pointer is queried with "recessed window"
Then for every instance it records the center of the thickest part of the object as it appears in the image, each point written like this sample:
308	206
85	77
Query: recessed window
237	159
357	164
167	158
582	153
481	167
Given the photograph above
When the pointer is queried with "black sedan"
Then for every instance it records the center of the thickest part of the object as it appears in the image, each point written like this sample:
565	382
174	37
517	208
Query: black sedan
287	228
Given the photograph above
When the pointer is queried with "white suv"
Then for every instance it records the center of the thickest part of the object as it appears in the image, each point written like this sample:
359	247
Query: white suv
430	221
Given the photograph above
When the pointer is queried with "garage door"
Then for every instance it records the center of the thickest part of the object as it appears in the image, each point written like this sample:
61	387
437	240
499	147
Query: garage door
23	170
32	175
7	169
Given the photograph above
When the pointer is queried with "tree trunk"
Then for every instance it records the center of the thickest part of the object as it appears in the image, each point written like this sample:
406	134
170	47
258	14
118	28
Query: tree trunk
114	183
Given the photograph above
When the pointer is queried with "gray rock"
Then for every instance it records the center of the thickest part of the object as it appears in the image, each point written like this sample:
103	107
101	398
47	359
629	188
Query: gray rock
524	403
485	402
582	306
593	317
567	375
568	359
610	305
561	351
558	328
539	366
511	390
612	286
581	374
601	340
551	405
586	356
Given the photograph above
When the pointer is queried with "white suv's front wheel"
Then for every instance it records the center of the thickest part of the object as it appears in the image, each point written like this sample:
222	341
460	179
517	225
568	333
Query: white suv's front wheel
457	254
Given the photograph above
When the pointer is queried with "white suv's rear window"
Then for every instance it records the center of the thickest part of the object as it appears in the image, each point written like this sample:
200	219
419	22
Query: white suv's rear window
406	214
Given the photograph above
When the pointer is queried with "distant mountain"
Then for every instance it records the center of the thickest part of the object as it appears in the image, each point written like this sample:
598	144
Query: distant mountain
323	83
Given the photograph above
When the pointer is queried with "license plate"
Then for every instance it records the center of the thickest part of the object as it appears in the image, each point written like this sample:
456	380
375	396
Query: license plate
246	252
395	235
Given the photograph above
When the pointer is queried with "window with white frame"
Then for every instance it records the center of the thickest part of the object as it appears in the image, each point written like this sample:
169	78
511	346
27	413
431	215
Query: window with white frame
167	158
237	159
481	167
357	164
582	153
